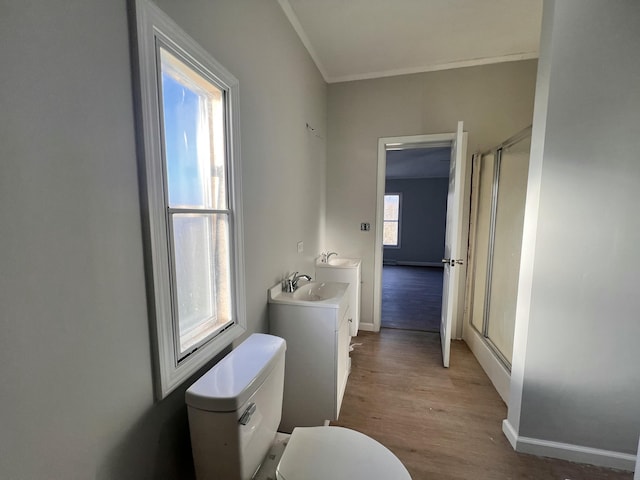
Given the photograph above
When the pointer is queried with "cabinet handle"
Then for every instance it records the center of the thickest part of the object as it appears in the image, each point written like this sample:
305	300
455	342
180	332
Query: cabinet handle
351	320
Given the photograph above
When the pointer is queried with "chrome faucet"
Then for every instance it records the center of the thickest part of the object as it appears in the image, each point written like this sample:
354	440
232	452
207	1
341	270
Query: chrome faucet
329	255
290	284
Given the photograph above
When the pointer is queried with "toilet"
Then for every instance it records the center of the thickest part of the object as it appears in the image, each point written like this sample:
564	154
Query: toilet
234	411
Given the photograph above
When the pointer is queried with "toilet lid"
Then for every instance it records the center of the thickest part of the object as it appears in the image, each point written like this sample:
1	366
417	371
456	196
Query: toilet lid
321	453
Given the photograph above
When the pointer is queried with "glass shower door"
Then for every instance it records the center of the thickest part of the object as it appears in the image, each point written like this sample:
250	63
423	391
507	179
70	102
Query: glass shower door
507	244
484	169
500	199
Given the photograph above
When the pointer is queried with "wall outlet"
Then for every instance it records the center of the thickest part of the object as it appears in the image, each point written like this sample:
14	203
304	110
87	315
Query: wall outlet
365	227
300	247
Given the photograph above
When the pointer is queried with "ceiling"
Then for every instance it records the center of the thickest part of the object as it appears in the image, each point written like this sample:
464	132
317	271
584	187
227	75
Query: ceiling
360	39
426	162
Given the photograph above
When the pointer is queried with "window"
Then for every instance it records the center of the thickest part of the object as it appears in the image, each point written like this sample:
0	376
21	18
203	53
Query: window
391	225
191	193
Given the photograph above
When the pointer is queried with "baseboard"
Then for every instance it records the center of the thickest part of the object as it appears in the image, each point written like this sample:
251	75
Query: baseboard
510	433
366	326
494	368
567	451
412	264
421	264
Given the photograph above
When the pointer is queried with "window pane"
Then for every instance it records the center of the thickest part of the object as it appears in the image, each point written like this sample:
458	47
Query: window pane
390	233
391	207
202	275
193	115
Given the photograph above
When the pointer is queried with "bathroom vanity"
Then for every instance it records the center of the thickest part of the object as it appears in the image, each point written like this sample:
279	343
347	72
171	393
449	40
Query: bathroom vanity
314	320
347	270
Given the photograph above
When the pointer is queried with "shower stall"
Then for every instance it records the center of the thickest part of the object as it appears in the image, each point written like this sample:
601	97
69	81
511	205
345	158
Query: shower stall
498	193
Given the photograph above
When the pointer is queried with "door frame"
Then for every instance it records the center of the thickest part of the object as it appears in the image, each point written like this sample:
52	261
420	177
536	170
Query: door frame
416	141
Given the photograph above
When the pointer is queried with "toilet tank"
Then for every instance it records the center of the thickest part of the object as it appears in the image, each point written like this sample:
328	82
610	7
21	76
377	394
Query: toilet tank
235	408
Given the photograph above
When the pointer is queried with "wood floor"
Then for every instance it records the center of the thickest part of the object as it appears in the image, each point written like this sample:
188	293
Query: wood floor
443	424
412	297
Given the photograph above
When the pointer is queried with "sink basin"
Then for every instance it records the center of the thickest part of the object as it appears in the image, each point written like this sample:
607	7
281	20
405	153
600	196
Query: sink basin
317	291
340	262
320	294
348	270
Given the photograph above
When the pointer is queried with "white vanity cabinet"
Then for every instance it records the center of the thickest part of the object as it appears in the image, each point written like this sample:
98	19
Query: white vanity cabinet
345	270
317	360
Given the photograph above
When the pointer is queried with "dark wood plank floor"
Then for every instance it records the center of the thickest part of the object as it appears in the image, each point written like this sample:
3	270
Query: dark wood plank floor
411	298
443	424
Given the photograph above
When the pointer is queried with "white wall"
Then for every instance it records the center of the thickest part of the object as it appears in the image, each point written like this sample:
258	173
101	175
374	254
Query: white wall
575	376
494	101
75	363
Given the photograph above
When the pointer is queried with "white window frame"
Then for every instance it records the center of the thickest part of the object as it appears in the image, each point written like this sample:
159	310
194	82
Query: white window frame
151	27
399	195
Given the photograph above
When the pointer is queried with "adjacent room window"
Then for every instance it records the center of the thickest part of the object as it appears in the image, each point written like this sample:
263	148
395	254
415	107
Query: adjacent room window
191	188
391	226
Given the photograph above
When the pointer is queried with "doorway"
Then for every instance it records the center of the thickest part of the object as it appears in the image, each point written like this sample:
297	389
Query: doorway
414	223
455	236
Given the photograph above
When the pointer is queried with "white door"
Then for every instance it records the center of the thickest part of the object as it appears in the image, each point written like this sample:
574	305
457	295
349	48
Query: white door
452	248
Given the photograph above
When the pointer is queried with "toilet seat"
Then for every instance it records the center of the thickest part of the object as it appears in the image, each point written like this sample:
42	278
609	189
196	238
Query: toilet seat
320	453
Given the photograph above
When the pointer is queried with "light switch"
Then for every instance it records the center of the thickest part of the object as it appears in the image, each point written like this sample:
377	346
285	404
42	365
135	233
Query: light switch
300	247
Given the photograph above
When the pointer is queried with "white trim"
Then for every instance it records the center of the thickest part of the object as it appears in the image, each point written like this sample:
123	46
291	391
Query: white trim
494	368
297	26
510	433
368	327
567	451
476	62
152	23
